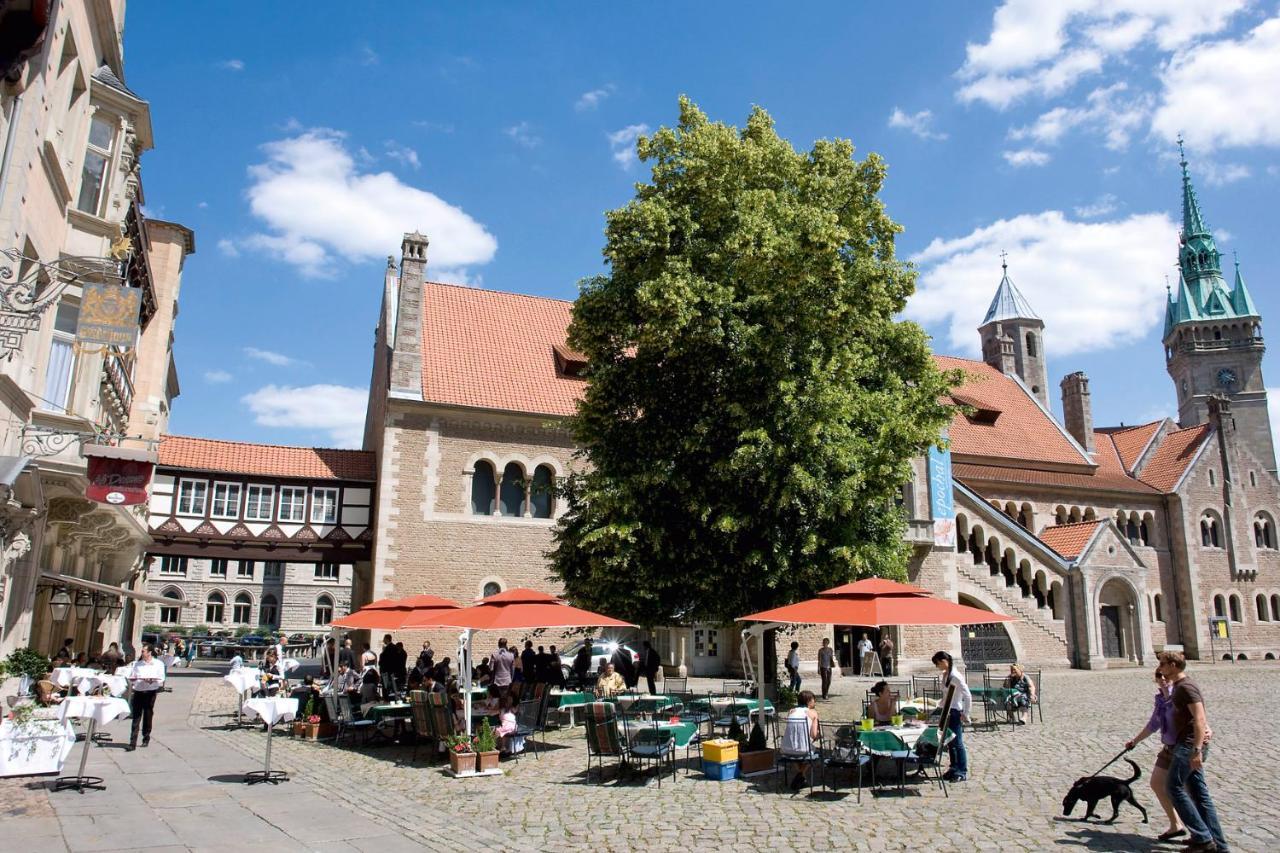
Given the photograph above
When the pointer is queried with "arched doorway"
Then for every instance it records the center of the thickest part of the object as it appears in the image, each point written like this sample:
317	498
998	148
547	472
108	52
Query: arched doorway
985	643
1117	613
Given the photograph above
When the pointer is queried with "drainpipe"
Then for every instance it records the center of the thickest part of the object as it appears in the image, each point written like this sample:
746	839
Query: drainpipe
15	116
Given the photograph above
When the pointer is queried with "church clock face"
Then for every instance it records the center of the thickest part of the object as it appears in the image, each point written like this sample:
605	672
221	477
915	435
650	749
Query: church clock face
1226	377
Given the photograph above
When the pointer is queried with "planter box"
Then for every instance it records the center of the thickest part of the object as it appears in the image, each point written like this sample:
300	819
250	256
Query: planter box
759	761
323	731
720	771
462	763
720	751
299	729
487	761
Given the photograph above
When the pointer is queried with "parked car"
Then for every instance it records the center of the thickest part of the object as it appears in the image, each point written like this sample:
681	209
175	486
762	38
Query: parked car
599	649
150	638
299	638
253	640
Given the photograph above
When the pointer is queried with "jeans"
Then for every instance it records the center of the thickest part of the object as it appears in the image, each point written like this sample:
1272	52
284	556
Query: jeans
795	680
955	750
1191	798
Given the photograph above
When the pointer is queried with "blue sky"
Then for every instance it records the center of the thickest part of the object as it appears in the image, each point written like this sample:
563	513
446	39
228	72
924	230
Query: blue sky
299	145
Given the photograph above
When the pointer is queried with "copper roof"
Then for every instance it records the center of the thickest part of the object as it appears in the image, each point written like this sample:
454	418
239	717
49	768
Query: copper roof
1070	539
268	460
1172	458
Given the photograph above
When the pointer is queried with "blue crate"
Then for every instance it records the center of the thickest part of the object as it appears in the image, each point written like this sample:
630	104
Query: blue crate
720	771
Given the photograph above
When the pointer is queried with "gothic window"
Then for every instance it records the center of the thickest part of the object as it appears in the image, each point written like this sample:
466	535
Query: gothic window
1144	529
1158	604
1031	345
1219	607
214	607
269	612
482	489
1131	531
1234	603
540	496
241	610
1264	614
1275	608
1264	531
1213	478
511	493
324	610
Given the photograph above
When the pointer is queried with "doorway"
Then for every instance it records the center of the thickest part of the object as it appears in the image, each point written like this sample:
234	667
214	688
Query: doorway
1112	639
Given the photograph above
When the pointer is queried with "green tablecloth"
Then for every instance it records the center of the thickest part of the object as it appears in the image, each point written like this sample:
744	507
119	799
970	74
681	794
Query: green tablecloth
378	713
644	704
994	694
720	704
562	699
683	732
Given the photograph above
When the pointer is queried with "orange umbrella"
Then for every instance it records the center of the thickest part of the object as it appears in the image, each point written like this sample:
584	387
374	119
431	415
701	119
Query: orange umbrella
877	602
390	614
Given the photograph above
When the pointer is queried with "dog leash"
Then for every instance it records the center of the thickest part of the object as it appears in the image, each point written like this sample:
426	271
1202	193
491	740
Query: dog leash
1120	755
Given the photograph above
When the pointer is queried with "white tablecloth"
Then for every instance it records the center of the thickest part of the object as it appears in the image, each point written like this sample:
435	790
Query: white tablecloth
38	746
65	676
272	710
244	678
100	709
116	684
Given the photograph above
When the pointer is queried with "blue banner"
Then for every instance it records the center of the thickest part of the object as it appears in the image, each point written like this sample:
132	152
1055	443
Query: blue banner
941	500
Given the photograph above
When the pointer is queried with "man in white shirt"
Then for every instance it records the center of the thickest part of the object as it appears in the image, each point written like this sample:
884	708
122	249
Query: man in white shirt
864	648
793	666
146	677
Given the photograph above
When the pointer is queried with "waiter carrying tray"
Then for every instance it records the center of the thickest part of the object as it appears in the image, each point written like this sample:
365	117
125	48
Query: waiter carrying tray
146	677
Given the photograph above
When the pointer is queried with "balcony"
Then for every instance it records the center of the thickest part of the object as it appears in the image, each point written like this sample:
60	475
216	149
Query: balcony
116	392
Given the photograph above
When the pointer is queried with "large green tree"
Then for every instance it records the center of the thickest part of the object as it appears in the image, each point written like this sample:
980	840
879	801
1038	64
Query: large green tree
752	401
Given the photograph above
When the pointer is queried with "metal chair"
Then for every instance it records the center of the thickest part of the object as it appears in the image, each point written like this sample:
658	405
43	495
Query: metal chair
650	743
347	722
734	688
842	750
885	744
921	683
736	712
603	738
672	686
527	724
928	754
1035	708
803	752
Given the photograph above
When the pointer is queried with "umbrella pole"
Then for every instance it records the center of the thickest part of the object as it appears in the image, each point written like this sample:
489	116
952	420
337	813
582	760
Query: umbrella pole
465	663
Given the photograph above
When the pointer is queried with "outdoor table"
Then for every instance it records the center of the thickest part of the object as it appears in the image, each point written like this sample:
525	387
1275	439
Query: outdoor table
643	703
243	679
682	732
97	710
38	746
389	711
271	711
571	701
65	676
116	684
720	705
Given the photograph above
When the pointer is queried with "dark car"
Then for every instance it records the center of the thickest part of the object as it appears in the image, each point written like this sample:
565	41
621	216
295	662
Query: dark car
295	639
253	640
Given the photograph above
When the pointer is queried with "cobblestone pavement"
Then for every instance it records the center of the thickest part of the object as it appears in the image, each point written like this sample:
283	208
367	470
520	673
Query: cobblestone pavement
1011	802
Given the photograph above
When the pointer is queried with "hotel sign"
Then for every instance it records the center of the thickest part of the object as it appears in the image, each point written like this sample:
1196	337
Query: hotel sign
118	476
109	315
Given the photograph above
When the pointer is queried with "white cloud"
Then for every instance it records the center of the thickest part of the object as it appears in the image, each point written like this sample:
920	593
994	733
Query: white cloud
232	64
433	126
1223	94
228	248
317	204
202	205
217	377
1096	285
369	56
1026	157
1105	204
1273	412
1220	174
274	358
1223	235
403	154
523	134
623	144
917	123
590	100
335	409
1104	110
1045	48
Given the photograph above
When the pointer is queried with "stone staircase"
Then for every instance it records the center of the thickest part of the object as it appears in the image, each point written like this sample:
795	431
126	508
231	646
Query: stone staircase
1011	600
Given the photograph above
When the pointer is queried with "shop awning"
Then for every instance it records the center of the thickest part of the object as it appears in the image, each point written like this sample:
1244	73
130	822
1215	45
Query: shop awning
107	589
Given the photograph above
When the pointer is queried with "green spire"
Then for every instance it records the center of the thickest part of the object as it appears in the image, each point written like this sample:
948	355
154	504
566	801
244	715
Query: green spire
1192	220
1241	302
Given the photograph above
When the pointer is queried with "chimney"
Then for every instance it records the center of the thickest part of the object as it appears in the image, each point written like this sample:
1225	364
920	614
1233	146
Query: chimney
1077	411
406	357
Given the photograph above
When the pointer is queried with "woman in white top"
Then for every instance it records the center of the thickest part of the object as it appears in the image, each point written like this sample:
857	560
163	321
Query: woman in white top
961	705
800	734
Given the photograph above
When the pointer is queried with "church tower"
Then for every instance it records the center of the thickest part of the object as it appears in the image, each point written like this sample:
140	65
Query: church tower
1013	338
1213	336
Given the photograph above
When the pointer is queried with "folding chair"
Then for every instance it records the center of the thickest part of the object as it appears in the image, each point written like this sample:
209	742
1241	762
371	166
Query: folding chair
603	738
1033	675
842	750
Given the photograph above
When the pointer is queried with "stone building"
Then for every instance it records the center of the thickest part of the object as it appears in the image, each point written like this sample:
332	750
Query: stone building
70	194
257	536
1107	543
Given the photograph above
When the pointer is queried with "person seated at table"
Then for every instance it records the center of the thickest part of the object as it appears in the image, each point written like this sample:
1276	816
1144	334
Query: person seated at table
441	670
60	661
609	683
508	741
884	705
794	739
82	660
582	663
345	682
370	682
111	658
415	679
483	673
47	693
1021	694
272	676
65	652
430	685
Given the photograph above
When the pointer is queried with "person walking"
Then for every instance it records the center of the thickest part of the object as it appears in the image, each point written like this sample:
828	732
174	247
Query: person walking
146	677
826	663
193	651
1161	721
886	654
650	663
793	665
1186	782
864	649
961	705
503	662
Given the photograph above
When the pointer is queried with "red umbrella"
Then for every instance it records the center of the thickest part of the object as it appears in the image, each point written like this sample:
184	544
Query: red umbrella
877	602
390	614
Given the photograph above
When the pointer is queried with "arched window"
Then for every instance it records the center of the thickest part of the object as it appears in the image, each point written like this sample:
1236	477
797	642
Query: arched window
482	488
242	609
1210	531
269	611
324	610
215	607
491	588
1264	531
1031	345
540	496
1131	531
1264	612
1234	603
171	614
1090	514
1144	529
1219	607
511	494
1275	608
1158	604
1213	478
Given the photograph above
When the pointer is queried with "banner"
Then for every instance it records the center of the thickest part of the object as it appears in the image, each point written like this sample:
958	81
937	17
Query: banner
941	500
109	315
120	482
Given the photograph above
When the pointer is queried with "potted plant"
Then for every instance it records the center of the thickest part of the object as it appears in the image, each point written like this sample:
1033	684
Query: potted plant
755	756
462	755
787	698
28	665
486	748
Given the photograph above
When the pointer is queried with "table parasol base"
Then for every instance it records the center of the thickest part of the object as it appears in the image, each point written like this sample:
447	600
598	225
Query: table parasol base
275	777
79	783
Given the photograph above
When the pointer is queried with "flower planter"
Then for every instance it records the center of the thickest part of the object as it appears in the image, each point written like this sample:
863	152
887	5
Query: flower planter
322	731
462	763
299	729
487	761
758	761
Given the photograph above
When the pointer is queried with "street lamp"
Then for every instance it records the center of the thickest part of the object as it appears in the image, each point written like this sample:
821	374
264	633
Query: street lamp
84	605
59	604
101	607
114	607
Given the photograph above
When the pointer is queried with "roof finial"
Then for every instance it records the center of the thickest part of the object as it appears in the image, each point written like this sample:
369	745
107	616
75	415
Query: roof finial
1004	263
1236	256
1167	291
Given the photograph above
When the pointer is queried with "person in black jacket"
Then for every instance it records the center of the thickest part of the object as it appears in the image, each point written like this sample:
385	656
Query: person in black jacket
555	673
582	663
529	661
625	666
650	663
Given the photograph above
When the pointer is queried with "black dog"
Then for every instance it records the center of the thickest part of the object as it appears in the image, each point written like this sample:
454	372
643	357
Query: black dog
1091	789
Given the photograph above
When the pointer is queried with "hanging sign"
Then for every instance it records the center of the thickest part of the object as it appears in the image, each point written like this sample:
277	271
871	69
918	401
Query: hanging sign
109	315
941	500
118	475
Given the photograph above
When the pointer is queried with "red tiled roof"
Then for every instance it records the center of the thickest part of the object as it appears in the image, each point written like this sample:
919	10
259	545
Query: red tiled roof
1172	458
1100	480
1069	539
1131	441
268	460
1023	432
494	350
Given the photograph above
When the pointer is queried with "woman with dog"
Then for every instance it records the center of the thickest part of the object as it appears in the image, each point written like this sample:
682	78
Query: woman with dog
961	704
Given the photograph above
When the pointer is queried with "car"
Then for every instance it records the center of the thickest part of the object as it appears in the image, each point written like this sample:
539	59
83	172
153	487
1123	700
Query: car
150	638
253	640
296	639
603	648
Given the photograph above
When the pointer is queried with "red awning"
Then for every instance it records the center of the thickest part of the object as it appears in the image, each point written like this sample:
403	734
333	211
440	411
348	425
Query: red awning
390	614
514	610
876	602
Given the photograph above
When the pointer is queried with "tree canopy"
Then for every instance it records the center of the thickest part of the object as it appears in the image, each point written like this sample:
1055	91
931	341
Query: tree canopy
752	400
